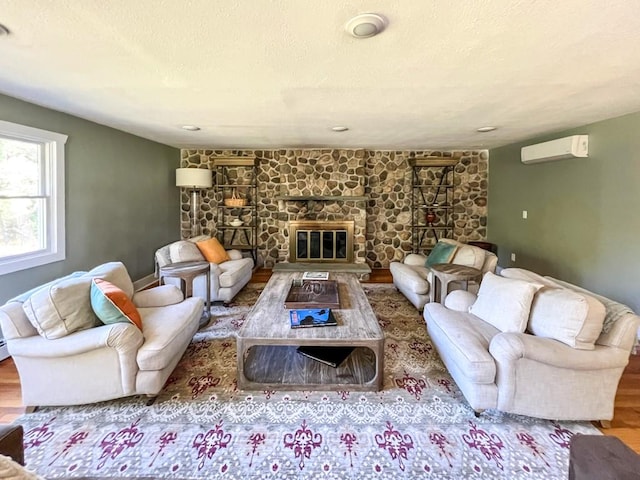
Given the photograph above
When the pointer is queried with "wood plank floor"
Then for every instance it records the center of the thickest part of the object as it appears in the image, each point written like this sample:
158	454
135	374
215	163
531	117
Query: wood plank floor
625	424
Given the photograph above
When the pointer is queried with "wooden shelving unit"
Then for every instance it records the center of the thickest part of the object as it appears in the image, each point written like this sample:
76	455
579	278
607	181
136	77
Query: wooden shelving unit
238	177
432	201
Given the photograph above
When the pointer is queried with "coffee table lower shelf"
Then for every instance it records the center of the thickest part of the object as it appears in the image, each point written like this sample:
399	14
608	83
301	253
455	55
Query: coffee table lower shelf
280	367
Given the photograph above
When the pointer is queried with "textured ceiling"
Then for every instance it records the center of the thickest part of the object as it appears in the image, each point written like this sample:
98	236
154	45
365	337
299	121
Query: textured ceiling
280	73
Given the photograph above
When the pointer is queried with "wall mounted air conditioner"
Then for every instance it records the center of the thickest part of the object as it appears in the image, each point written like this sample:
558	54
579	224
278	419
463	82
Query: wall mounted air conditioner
567	147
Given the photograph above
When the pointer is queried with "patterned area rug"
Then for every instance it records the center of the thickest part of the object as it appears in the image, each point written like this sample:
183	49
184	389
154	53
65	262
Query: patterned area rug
203	427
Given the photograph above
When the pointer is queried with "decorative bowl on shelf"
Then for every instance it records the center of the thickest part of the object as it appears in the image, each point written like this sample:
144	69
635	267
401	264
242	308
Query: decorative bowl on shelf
236	223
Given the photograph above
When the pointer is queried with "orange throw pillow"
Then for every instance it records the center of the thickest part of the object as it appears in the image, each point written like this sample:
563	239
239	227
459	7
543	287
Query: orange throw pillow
112	305
213	251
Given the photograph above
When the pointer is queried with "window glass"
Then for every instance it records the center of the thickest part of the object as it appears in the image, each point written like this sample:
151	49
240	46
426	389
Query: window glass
31	197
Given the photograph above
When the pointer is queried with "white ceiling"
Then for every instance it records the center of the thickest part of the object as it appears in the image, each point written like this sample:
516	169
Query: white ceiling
280	73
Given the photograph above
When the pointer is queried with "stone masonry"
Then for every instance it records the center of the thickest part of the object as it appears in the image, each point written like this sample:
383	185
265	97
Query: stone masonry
382	221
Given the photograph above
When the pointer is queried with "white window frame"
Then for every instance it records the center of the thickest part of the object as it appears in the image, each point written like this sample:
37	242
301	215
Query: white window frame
53	151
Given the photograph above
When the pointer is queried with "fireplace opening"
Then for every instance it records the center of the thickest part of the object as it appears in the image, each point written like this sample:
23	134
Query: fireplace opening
316	241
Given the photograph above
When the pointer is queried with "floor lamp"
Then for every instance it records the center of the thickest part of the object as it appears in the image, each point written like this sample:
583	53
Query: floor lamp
194	179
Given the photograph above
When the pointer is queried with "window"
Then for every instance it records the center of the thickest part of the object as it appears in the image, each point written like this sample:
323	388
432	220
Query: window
31	197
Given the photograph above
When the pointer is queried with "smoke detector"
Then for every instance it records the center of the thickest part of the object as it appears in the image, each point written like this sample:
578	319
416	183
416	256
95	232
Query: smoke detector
365	25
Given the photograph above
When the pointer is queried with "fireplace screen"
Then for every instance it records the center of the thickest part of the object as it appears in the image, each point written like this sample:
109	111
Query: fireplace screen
328	241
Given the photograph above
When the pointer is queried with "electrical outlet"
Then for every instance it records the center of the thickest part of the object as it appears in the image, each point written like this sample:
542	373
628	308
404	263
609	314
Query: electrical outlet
524	214
513	257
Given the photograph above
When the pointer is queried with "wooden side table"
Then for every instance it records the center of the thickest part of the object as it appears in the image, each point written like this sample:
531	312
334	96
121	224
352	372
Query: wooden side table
186	272
446	273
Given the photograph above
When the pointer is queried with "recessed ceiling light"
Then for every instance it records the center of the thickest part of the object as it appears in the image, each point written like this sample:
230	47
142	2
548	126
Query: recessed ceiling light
339	128
191	128
365	25
4	31
487	129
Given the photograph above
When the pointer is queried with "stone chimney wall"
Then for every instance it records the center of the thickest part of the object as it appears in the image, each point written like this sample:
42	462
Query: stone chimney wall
383	220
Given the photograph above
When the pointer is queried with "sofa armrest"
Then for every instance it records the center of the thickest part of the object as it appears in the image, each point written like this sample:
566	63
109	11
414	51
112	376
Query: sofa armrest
508	347
158	296
119	336
460	300
415	259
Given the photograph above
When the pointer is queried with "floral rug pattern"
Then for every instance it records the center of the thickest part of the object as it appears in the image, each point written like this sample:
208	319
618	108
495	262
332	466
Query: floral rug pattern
203	427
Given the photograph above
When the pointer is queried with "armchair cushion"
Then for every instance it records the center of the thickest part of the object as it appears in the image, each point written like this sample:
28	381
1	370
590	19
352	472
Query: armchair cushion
213	251
185	251
158	296
116	273
442	253
112	305
504	302
61	308
233	271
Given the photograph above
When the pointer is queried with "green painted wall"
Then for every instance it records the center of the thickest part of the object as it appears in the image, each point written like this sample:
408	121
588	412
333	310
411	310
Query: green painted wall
582	224
121	199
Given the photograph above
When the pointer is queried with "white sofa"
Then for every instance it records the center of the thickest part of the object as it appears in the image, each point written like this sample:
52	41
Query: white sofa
67	356
413	279
227	278
562	361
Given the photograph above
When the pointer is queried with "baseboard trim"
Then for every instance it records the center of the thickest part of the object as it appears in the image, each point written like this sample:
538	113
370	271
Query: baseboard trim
145	282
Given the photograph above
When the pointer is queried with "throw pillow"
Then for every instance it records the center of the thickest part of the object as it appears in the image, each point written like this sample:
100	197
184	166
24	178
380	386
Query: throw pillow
213	251
566	316
61	308
112	305
442	253
185	251
504	302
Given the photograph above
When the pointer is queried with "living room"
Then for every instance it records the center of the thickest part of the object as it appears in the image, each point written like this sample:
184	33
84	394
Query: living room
122	202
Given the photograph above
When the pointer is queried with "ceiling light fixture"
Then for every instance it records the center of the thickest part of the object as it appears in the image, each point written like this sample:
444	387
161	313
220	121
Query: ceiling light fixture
365	25
486	129
4	31
191	128
339	128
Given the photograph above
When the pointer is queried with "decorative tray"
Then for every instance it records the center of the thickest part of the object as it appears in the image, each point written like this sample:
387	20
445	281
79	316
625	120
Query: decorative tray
312	294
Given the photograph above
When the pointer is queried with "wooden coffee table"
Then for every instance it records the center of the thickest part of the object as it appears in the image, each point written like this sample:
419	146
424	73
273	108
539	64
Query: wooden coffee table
267	357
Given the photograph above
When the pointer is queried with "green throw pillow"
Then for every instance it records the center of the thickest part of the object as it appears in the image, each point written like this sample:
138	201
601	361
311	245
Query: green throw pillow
442	253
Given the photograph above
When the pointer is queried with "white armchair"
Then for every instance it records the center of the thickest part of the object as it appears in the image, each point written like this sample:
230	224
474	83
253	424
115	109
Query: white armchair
413	279
227	278
69	357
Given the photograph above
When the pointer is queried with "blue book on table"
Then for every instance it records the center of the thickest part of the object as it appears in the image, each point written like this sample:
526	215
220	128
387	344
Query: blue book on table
312	317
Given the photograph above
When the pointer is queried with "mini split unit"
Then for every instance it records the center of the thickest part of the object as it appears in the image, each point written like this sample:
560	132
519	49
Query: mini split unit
567	147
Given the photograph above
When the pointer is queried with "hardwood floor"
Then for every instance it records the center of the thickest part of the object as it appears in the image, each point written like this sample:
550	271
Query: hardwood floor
625	424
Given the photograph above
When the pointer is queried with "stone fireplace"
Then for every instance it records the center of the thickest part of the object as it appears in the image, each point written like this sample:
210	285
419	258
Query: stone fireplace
371	188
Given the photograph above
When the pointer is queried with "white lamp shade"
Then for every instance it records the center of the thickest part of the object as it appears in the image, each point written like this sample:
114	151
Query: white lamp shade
194	177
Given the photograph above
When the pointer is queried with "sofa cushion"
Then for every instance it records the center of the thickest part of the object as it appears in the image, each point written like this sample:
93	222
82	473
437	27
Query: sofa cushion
185	251
442	253
61	308
112	305
213	251
504	302
569	317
